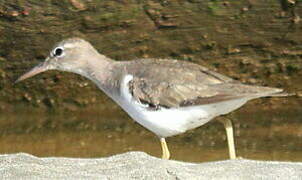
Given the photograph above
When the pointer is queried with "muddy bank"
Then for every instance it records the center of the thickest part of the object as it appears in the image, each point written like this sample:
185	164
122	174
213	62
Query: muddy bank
249	41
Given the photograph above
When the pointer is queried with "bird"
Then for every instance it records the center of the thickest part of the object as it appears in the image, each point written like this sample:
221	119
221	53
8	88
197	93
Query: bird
166	96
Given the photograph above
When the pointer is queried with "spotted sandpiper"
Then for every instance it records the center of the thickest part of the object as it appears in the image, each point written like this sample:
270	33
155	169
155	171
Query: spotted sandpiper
166	96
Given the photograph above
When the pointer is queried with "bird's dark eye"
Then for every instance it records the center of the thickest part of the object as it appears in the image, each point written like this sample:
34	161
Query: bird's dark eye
58	52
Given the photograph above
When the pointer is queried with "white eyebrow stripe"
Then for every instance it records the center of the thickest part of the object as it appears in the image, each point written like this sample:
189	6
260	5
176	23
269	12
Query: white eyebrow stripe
69	45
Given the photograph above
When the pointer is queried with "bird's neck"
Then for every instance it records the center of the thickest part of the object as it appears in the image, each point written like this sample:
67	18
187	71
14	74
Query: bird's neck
100	70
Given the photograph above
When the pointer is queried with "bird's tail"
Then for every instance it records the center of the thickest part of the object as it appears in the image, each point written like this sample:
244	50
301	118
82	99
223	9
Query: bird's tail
261	91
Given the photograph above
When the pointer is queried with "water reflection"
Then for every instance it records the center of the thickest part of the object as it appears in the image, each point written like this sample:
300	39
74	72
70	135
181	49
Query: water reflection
266	134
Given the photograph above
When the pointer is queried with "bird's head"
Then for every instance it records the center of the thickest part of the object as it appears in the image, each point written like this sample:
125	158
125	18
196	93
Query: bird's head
69	55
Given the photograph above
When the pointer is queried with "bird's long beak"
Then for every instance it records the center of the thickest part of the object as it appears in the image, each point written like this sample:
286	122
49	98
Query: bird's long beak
34	71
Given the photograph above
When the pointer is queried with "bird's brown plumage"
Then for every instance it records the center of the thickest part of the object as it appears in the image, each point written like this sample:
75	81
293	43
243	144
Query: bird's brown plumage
172	83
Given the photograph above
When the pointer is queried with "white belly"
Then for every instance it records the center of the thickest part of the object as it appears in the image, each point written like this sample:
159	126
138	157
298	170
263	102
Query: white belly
173	121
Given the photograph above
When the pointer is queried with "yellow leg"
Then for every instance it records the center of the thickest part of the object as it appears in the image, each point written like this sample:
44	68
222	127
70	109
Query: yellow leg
230	136
164	147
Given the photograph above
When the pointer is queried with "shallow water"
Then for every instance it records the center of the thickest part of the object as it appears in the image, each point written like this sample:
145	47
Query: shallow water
266	134
100	144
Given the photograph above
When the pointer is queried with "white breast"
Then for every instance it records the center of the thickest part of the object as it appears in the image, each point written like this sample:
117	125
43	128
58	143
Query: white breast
168	122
